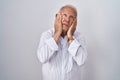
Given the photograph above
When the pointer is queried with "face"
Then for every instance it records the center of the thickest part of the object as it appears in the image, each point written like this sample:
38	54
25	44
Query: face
68	16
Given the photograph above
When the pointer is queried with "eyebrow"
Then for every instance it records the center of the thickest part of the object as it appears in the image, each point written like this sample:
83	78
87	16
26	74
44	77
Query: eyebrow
70	15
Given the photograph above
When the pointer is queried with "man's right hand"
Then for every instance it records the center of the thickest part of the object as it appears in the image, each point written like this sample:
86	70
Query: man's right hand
58	27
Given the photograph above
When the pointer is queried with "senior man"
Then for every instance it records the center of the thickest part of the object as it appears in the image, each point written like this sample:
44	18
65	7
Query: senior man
62	50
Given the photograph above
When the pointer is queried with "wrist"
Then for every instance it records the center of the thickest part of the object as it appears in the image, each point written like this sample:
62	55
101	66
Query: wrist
70	39
56	37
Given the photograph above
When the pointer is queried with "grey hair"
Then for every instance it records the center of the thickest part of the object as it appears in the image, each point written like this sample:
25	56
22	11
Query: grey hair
69	6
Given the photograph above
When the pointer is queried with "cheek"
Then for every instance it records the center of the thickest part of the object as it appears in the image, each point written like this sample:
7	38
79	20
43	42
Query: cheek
71	23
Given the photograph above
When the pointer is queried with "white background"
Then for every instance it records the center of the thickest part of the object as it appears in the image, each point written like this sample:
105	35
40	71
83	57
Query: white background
23	21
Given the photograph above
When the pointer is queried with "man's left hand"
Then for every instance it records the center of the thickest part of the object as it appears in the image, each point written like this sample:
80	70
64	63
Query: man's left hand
71	31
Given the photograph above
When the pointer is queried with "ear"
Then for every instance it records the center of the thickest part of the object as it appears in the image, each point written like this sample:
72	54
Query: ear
56	15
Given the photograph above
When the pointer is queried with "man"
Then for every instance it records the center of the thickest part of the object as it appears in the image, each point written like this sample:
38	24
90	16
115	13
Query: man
62	50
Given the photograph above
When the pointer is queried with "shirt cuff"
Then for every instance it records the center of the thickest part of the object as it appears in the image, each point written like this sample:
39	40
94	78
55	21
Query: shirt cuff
73	47
52	44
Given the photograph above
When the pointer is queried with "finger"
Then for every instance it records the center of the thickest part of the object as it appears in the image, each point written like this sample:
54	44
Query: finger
75	22
59	18
56	17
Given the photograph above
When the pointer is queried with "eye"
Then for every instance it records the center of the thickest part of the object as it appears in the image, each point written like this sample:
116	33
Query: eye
65	15
71	17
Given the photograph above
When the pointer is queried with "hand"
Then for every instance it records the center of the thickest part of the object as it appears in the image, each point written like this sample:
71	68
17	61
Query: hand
71	31
58	27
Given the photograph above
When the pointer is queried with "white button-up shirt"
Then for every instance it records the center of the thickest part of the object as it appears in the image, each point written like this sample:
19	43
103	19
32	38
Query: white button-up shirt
61	61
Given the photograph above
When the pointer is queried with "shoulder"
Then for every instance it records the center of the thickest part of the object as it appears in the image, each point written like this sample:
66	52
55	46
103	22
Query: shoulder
48	32
80	37
78	34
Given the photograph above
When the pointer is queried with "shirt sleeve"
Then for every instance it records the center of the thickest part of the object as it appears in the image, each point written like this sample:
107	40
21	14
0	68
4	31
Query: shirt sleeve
77	49
47	48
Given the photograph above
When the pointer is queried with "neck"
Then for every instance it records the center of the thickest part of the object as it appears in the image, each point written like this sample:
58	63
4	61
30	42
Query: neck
63	34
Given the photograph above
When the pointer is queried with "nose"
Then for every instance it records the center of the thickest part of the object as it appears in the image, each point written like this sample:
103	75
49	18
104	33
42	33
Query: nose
67	18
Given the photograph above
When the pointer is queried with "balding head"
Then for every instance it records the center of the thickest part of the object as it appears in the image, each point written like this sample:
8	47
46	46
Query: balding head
70	7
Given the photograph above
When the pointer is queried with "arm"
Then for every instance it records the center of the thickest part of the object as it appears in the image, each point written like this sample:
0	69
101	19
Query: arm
48	43
47	47
77	49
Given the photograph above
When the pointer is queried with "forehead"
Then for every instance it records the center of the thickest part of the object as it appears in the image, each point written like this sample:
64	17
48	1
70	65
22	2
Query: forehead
68	10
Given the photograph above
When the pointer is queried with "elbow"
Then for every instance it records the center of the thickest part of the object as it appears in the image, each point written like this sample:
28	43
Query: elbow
41	58
81	63
81	60
43	61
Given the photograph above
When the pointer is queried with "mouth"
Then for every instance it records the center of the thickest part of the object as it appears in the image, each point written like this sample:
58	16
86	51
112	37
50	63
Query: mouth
65	24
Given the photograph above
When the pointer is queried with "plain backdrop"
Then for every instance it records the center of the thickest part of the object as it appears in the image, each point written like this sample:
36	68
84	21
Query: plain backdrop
23	21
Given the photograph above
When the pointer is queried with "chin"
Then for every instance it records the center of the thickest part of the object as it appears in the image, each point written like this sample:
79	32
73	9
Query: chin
65	28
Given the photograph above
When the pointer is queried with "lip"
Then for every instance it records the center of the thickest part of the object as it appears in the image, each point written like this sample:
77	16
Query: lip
65	24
